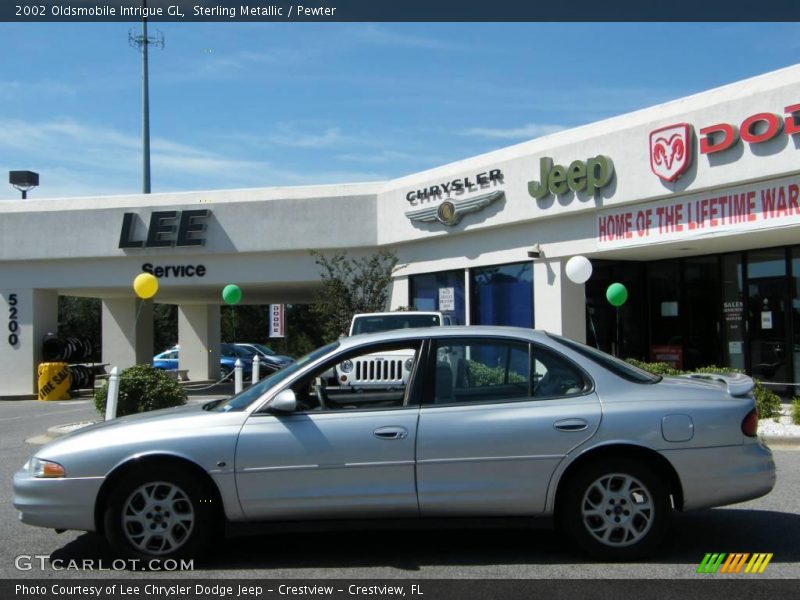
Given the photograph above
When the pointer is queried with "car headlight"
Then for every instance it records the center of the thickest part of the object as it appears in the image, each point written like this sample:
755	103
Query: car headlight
346	366
409	364
45	468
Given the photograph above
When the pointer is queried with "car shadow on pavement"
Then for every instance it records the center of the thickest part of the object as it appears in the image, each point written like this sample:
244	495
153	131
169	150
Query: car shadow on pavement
691	536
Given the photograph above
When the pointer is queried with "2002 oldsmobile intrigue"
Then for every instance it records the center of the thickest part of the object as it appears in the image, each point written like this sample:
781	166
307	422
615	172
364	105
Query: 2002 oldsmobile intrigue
479	422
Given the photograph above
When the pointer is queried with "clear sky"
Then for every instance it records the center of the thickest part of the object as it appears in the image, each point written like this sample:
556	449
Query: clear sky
237	105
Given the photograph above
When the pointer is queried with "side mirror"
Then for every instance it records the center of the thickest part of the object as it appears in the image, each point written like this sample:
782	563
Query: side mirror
284	402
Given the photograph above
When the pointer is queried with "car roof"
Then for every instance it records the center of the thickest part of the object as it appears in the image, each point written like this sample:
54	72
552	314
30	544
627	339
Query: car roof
453	331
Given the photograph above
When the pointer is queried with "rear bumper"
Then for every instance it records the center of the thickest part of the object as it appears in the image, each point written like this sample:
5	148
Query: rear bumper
66	503
725	475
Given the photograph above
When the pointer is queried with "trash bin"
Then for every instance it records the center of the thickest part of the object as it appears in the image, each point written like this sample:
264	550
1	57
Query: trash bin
54	381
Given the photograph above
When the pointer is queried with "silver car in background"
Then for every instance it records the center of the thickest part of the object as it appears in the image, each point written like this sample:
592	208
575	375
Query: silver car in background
492	422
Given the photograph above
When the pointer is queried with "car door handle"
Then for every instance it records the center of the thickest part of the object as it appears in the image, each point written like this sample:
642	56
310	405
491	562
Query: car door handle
571	425
390	433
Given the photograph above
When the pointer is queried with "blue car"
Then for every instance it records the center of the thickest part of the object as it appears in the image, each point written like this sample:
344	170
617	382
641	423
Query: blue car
229	353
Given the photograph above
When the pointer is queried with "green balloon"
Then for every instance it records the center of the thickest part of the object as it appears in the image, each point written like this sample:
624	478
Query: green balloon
232	294
616	294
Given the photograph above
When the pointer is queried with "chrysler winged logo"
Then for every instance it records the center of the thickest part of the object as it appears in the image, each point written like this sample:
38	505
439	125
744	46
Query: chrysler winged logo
671	151
450	212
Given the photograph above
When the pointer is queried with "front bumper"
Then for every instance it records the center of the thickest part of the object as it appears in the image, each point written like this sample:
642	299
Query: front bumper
725	475
63	503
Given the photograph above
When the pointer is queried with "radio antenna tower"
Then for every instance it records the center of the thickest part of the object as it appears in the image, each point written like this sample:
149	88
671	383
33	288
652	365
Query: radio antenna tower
142	42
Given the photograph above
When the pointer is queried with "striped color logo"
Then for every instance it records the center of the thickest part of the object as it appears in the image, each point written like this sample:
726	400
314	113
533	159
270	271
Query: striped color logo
736	562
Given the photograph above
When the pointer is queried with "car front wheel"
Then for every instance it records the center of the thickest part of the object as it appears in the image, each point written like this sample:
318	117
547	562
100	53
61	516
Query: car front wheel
160	512
615	509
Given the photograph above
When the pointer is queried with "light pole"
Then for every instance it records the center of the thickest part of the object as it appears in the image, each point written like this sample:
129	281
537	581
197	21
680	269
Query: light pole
23	181
142	42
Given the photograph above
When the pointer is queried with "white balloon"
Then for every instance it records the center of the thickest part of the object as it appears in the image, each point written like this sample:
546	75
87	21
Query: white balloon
579	269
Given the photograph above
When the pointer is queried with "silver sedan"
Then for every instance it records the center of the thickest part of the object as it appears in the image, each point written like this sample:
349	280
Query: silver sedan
489	422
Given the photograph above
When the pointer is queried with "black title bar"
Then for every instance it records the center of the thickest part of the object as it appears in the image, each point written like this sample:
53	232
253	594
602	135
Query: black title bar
398	10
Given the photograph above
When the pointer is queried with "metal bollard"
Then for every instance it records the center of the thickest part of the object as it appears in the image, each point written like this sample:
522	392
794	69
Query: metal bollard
113	394
256	369
237	376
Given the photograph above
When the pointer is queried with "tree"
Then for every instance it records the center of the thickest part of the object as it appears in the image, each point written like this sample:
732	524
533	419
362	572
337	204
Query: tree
350	286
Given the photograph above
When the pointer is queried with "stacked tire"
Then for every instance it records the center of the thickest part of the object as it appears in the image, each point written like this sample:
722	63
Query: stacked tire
71	350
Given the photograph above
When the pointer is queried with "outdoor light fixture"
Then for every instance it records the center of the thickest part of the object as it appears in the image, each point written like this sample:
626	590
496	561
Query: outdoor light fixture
536	252
23	181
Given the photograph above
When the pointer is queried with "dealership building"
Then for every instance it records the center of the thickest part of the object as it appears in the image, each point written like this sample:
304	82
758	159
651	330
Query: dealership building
692	205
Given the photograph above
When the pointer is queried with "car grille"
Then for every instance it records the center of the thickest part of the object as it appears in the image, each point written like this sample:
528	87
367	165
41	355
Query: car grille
377	370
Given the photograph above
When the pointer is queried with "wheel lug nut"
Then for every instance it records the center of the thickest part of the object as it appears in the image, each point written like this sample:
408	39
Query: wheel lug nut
627	512
608	512
149	515
152	526
616	519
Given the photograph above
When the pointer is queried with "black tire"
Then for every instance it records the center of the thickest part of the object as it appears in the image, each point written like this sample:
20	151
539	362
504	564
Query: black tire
223	372
617	509
189	514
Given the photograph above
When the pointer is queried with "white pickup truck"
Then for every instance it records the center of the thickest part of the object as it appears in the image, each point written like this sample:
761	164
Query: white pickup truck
385	369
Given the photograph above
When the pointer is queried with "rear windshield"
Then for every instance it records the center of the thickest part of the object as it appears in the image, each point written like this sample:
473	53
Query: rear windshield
374	324
611	363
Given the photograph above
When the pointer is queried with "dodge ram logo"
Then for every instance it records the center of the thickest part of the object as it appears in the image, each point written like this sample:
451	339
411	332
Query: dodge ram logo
671	151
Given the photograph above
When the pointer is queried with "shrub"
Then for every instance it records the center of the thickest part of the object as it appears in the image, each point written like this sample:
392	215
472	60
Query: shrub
656	368
767	401
142	388
795	412
482	375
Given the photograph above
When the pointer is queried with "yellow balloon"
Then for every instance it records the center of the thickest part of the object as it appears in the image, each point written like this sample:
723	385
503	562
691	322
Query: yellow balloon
145	286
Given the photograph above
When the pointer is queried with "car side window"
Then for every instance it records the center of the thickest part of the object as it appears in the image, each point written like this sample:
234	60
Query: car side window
474	371
170	355
373	378
552	375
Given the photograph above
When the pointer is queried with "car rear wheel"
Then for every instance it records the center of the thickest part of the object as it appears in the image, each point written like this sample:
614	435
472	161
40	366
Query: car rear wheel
615	509
223	372
160	512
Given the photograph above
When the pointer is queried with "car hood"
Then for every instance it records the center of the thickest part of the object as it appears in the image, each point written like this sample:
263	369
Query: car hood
205	437
177	413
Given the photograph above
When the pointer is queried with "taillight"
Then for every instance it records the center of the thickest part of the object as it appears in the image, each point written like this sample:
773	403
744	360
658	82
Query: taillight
750	423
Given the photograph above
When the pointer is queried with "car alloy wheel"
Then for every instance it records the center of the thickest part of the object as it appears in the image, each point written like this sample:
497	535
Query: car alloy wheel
161	511
158	518
617	509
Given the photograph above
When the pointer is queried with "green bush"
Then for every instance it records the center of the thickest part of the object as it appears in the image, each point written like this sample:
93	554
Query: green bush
142	388
482	375
767	401
795	412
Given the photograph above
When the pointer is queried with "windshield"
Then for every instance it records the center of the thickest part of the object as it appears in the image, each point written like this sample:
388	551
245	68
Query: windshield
245	398
615	365
264	350
376	323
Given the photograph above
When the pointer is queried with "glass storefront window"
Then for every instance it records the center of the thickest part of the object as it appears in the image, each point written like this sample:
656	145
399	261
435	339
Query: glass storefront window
502	295
443	291
767	315
733	312
701	314
664	285
795	319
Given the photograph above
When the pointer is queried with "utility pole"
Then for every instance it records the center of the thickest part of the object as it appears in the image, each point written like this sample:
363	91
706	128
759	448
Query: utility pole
142	42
